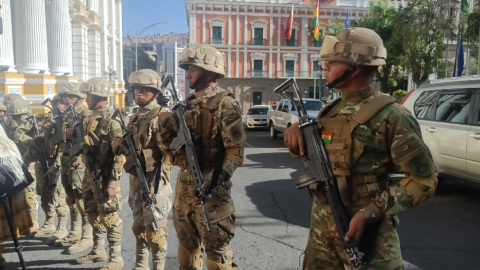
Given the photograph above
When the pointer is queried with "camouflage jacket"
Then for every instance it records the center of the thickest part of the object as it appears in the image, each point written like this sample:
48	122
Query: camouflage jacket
100	130
389	141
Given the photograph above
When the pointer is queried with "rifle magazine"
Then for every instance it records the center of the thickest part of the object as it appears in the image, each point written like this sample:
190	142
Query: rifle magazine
303	178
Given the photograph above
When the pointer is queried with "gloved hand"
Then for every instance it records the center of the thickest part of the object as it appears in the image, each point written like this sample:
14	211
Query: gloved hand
119	147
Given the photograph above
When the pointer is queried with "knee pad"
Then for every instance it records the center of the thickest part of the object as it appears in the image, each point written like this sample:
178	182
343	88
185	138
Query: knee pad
110	220
156	239
139	231
190	259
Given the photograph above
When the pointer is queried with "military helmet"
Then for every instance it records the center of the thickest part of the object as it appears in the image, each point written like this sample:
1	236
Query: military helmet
57	98
355	46
70	89
11	97
97	86
206	57
147	78
17	107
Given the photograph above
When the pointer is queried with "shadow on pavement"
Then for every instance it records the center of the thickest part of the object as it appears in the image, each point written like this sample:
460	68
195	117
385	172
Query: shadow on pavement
261	139
277	160
280	200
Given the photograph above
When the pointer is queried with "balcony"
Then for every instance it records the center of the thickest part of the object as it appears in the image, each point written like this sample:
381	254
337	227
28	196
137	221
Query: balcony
216	41
259	42
291	43
257	74
299	74
317	43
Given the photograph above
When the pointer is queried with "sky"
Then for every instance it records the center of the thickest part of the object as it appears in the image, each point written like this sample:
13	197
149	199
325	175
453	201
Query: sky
138	14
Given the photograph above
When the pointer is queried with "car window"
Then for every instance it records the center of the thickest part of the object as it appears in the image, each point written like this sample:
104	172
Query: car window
312	105
256	111
424	104
286	104
453	108
280	106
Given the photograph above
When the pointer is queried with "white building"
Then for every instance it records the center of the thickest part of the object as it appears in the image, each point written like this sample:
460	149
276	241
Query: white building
49	42
171	54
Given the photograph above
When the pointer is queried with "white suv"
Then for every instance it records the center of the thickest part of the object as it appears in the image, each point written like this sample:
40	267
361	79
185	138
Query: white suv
448	111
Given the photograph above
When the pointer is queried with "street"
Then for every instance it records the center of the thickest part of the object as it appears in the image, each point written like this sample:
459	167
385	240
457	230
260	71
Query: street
273	222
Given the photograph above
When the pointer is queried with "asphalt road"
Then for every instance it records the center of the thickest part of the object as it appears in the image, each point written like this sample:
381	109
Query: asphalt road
273	220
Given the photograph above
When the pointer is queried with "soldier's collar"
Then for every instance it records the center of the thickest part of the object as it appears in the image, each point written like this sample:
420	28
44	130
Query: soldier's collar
357	96
207	92
149	107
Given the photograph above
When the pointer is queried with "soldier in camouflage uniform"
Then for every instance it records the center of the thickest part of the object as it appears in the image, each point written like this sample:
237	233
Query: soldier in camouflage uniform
144	127
102	200
10	124
214	118
366	136
80	237
18	110
52	199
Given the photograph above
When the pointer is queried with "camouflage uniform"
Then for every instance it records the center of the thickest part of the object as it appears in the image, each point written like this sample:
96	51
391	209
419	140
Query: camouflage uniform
19	108
80	237
214	118
52	200
370	135
144	127
103	214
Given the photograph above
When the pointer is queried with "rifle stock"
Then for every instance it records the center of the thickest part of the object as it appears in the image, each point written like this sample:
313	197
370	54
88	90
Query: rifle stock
184	141
318	170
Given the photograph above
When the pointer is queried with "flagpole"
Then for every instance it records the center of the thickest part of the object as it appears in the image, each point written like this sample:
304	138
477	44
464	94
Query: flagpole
456	57
448	42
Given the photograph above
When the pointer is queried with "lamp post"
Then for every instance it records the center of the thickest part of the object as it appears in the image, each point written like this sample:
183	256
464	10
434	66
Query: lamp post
110	73
136	41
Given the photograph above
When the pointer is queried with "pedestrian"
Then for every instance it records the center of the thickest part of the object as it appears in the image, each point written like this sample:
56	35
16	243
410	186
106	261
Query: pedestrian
102	200
143	125
214	118
80	237
367	136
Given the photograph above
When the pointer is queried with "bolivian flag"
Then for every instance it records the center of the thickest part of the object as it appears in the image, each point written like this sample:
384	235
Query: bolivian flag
288	27
315	24
327	137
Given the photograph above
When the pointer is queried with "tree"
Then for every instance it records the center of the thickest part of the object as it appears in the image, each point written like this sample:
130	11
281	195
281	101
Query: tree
335	27
380	19
421	28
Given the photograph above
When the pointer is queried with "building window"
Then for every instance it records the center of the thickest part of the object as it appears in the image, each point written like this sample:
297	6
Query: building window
289	68
257	98
257	68
292	42
217	35
258	37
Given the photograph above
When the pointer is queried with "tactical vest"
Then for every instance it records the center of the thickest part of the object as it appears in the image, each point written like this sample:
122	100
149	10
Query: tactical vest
144	129
204	125
97	138
354	189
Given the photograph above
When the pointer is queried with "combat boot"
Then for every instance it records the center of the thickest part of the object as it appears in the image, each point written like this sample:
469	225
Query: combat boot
116	260
48	227
87	238
142	252
61	232
75	230
159	256
97	254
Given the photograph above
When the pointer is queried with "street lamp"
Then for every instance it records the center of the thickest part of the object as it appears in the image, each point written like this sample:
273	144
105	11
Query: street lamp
136	41
110	73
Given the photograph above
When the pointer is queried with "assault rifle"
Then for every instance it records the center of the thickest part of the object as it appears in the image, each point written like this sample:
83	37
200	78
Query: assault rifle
134	161
318	170
40	144
57	117
76	149
184	141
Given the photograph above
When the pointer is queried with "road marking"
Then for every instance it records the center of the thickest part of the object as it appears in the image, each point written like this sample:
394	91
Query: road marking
247	145
409	266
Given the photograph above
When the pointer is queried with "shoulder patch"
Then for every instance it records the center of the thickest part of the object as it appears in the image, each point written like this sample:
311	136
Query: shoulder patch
232	118
236	132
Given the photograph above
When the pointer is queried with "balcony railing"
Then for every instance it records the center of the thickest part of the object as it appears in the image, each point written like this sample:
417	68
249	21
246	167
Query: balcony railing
257	74
291	42
317	43
216	41
259	41
298	74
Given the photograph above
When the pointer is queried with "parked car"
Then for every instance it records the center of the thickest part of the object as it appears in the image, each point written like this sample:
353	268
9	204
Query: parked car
257	117
448	113
286	114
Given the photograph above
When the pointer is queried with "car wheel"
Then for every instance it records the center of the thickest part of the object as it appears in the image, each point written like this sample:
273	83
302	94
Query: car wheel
273	132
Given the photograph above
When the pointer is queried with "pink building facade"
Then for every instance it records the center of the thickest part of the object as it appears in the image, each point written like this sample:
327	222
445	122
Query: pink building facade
250	34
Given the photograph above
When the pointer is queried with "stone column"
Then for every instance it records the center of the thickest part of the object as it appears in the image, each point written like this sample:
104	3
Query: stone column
58	33
7	62
120	44
245	31
80	50
31	38
94	51
114	36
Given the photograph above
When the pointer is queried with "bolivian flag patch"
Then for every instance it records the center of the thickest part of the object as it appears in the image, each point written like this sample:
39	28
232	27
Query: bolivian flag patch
327	137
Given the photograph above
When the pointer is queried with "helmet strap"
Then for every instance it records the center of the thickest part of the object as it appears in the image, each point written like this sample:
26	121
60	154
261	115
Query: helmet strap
199	80
343	77
150	101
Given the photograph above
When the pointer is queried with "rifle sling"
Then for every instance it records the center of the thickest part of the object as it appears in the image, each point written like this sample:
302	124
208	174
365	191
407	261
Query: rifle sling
158	176
219	158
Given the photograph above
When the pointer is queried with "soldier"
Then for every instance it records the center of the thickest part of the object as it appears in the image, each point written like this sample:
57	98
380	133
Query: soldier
144	127
3	117
368	136
10	124
214	118
80	237
103	200
52	199
18	110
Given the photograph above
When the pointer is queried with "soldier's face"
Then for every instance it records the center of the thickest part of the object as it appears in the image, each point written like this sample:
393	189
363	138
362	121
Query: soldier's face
70	99
193	74
333	70
143	95
60	106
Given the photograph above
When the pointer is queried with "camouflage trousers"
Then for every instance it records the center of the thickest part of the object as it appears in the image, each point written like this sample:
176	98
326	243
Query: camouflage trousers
53	201
72	183
143	226
103	214
189	222
31	196
324	250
